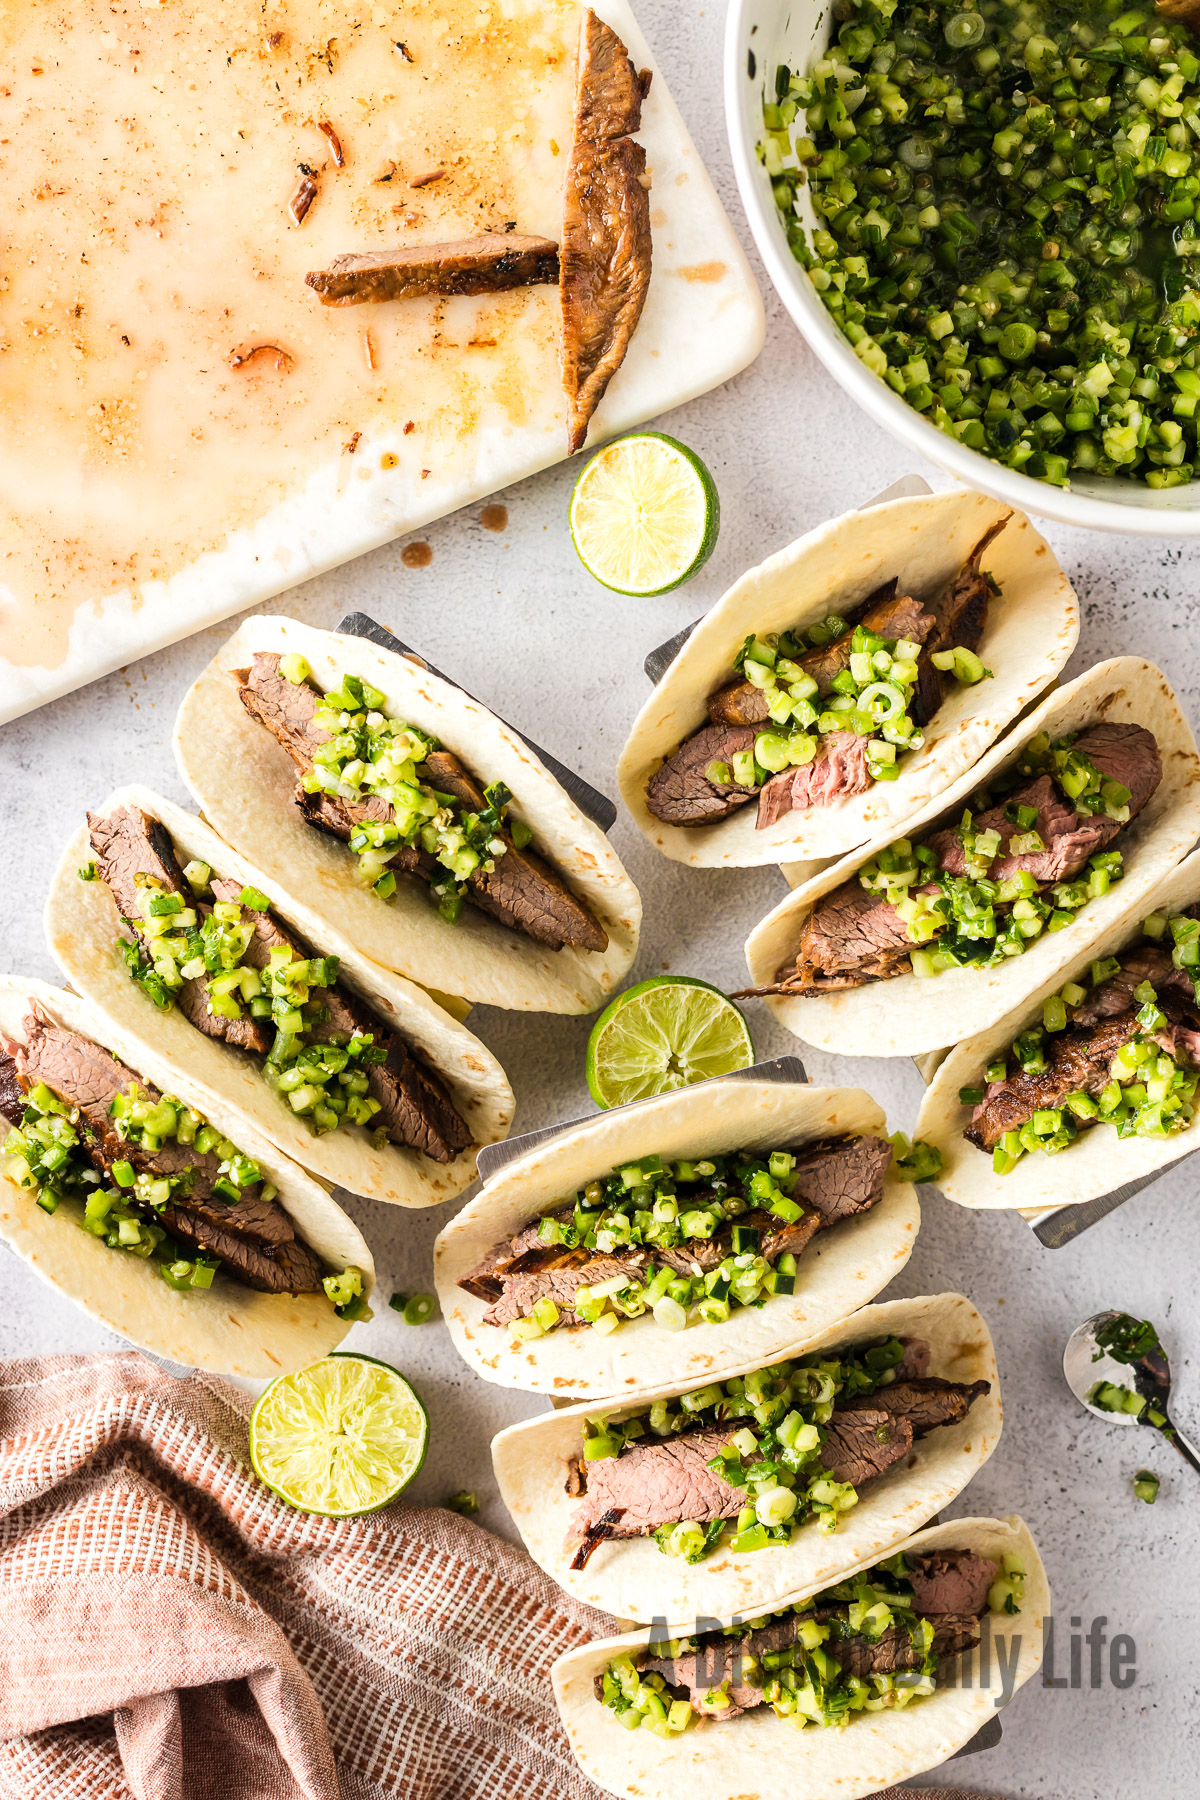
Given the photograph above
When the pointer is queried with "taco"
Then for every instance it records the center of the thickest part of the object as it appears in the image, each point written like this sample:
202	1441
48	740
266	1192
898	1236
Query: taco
1054	835
1093	1081
714	1500
424	829
836	1691
846	682
147	1197
354	1072
675	1237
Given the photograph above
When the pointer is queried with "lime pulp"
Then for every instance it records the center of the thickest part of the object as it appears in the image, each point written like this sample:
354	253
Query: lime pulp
664	1034
342	1437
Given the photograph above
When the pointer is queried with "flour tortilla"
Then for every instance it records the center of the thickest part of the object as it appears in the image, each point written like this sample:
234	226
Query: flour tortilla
923	541
632	1577
244	782
759	1756
840	1271
227	1328
910	1015
1098	1160
83	927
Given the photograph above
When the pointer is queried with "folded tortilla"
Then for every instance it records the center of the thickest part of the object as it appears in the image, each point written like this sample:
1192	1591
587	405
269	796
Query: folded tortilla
1031	631
910	1015
244	782
83	928
842	1269
227	1328
631	1577
1098	1161
760	1755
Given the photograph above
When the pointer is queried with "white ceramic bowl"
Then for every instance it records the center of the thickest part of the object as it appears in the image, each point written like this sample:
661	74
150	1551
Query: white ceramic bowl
760	35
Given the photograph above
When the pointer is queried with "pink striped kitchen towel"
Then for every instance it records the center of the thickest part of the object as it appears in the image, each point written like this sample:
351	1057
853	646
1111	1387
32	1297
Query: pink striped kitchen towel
169	1630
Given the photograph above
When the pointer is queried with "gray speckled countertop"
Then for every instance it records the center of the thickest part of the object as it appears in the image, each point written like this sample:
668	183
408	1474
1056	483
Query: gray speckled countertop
515	618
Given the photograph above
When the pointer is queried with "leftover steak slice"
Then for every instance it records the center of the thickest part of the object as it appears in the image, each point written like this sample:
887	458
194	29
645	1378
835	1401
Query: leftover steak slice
254	1237
961	612
852	937
491	263
606	252
527	895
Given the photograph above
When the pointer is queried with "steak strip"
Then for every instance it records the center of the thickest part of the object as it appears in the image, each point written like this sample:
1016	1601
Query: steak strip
253	1237
607	247
492	263
852	937
521	890
961	612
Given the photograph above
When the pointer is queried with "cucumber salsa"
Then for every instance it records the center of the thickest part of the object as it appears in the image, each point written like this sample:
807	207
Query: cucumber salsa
1006	202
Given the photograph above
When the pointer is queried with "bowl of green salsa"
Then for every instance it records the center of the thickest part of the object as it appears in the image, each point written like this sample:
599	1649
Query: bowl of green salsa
984	216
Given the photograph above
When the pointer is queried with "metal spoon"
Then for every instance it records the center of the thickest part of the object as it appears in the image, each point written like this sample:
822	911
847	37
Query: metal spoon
1084	1365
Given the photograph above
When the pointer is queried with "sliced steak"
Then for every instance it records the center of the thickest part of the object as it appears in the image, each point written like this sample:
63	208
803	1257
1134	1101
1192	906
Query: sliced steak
559	1283
680	793
885	613
130	843
924	1402
656	1484
287	708
951	1581
864	1441
415	1105
12	1094
891	1654
609	90
288	1267
842	1178
491	263
521	890
1149	962
738	703
1079	1063
87	1077
837	772
607	248
1124	753
961	612
849	938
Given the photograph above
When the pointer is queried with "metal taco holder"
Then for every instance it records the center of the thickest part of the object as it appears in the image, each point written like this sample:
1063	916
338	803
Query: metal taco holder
659	661
788	1071
588	799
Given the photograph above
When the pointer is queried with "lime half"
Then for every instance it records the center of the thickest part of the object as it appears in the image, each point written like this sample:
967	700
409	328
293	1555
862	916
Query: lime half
665	1034
645	514
344	1436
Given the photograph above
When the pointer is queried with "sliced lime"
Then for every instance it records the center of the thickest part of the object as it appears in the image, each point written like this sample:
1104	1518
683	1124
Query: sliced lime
664	1034
344	1436
645	514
